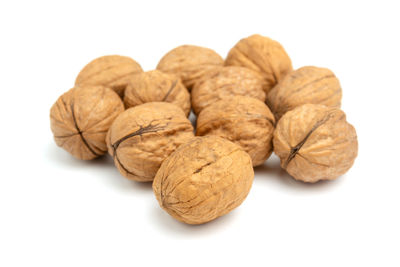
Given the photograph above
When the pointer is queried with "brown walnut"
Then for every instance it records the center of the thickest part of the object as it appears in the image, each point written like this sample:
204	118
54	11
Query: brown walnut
307	85
141	137
203	179
81	117
225	82
155	86
315	142
243	120
263	55
111	71
189	62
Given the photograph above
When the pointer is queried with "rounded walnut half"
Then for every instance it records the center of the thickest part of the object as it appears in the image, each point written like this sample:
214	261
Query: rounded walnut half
203	179
263	55
155	86
226	82
315	142
111	71
243	120
189	62
307	85
141	137
81	117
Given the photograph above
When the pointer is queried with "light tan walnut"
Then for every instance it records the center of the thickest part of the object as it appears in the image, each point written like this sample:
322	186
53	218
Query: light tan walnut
226	82
111	71
263	55
156	86
307	85
203	179
189	62
81	118
141	137
315	142
243	120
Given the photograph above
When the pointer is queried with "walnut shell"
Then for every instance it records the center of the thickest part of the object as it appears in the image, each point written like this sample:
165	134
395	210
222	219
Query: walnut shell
243	120
141	137
263	55
110	71
153	86
189	62
225	82
307	85
203	179
81	118
315	142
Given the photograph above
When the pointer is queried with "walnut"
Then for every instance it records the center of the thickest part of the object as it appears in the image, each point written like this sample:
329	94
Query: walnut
110	71
153	86
203	179
307	85
225	82
81	117
261	54
315	142
243	120
191	63
141	137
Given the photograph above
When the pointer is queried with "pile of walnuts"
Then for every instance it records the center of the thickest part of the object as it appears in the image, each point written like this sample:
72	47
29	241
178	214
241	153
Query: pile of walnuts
249	105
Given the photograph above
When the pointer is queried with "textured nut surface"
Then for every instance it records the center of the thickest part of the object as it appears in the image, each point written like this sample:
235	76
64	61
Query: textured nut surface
111	71
81	118
141	137
315	142
156	86
189	62
243	120
261	54
203	179
307	85
225	82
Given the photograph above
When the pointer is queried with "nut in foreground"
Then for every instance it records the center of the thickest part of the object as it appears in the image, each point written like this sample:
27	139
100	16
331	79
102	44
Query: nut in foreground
315	142
191	63
307	85
263	55
81	118
155	86
243	120
203	179
141	138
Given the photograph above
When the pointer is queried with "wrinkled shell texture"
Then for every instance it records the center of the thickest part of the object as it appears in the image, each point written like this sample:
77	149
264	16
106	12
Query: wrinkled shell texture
203	179
307	85
81	118
190	63
110	71
245	121
227	81
315	142
263	55
141	137
155	86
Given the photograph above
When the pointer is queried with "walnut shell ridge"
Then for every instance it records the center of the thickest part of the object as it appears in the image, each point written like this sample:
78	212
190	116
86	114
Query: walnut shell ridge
226	82
203	179
315	142
191	63
156	86
306	85
141	138
243	120
111	71
81	117
263	55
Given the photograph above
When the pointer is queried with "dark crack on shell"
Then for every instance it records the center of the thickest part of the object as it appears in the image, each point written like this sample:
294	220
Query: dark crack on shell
295	150
170	90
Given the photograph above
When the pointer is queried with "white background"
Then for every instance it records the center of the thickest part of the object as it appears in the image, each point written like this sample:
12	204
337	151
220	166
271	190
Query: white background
58	211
